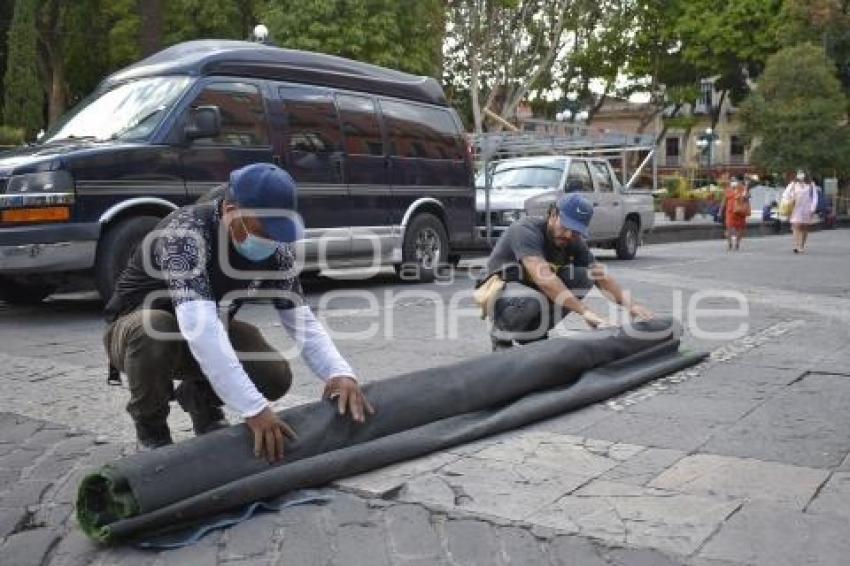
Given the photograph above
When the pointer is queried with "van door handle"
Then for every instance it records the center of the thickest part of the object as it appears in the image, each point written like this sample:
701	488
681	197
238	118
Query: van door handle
595	204
616	203
339	170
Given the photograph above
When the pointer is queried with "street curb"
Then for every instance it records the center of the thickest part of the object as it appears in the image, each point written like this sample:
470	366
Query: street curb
685	233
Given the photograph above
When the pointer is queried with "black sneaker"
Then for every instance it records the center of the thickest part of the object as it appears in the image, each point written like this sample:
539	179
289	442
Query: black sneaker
198	399
150	436
208	420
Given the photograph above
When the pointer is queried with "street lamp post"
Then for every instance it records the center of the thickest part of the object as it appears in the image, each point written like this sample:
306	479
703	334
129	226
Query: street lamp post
706	141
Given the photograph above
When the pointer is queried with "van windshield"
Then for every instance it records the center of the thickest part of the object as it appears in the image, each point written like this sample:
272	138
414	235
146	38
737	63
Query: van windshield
526	175
129	111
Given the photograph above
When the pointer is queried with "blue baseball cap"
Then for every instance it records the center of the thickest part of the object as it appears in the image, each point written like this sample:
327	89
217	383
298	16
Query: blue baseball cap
262	186
575	213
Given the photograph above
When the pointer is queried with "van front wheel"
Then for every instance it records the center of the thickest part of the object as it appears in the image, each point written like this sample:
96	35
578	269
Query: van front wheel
116	246
425	248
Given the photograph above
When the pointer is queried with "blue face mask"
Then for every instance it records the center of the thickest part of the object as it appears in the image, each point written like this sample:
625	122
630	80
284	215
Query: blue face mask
253	247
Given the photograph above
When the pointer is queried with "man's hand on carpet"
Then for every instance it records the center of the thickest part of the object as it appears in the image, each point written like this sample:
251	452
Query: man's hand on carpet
349	397
269	432
593	320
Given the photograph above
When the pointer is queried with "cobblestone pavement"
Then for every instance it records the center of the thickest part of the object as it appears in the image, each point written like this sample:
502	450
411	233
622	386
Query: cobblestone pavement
740	460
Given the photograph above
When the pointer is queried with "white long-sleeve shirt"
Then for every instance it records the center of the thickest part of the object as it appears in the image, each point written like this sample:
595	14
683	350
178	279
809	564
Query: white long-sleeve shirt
208	341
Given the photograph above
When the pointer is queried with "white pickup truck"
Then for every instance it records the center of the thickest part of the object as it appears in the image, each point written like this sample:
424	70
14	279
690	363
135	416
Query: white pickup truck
528	185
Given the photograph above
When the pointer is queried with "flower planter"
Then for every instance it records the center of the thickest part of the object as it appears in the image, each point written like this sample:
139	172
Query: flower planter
689	208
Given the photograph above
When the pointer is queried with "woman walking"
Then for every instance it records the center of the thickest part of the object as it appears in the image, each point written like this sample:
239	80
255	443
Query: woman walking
737	210
803	197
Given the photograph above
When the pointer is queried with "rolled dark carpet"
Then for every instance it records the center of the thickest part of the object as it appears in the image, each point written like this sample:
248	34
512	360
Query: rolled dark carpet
417	413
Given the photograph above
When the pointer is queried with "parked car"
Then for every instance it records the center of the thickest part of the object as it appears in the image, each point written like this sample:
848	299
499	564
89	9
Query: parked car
380	158
528	185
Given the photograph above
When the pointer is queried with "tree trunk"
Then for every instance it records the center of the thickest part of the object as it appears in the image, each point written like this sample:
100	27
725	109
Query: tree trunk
150	30
56	99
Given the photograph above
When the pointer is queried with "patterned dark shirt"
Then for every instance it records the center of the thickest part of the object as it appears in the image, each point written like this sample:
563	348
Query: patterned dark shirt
181	262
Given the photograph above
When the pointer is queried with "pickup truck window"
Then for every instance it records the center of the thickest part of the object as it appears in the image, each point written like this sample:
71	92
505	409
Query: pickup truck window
528	175
602	176
578	178
243	118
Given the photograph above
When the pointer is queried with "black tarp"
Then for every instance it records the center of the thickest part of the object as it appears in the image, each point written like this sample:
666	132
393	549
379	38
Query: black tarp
417	413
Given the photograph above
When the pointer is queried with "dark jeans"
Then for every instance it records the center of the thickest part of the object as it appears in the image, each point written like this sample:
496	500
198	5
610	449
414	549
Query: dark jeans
525	314
152	365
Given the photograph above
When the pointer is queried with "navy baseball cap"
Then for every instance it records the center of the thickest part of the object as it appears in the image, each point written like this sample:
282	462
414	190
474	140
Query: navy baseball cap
575	213
262	186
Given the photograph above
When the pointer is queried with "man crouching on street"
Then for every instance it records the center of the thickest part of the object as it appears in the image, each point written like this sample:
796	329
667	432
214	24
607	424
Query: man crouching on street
548	270
175	286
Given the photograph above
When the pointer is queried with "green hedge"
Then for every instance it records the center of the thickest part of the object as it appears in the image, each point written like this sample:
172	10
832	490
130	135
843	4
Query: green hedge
11	136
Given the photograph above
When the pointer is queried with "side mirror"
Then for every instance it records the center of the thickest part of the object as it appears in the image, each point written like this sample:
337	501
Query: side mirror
204	122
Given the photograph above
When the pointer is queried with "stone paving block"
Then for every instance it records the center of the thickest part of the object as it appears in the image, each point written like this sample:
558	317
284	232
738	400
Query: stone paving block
579	456
10	518
125	556
75	549
410	532
679	405
195	555
643	467
24	493
742	478
639	557
766	535
16	429
47	437
737	382
50	468
677	433
359	545
834	497
21	458
575	551
503	489
344	509
845	465
521	548
573	422
251	538
304	538
637	516
384	481
52	514
28	548
73	446
807	424
472	543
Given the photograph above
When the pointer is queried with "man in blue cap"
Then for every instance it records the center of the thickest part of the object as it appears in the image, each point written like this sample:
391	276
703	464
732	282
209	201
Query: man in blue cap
548	269
164	322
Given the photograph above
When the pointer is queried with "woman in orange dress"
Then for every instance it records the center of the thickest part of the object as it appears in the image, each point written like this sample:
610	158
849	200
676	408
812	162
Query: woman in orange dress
737	209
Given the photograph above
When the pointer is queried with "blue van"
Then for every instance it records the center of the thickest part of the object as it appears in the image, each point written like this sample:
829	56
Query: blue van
382	164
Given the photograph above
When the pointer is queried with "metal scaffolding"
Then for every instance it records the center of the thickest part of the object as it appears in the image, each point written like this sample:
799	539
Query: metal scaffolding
541	138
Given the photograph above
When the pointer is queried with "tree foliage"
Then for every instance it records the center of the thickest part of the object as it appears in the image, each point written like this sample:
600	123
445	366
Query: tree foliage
401	34
23	95
798	113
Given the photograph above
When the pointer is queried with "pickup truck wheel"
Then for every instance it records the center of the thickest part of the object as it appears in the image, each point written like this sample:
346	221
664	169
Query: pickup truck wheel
115	249
627	243
425	247
20	293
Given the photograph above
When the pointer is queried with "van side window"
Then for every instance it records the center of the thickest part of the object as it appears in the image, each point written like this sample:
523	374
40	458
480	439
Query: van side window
243	118
313	136
421	131
602	176
578	178
360	126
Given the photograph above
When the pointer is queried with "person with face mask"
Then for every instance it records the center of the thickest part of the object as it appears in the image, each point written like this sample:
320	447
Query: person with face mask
171	317
803	196
548	269
737	210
